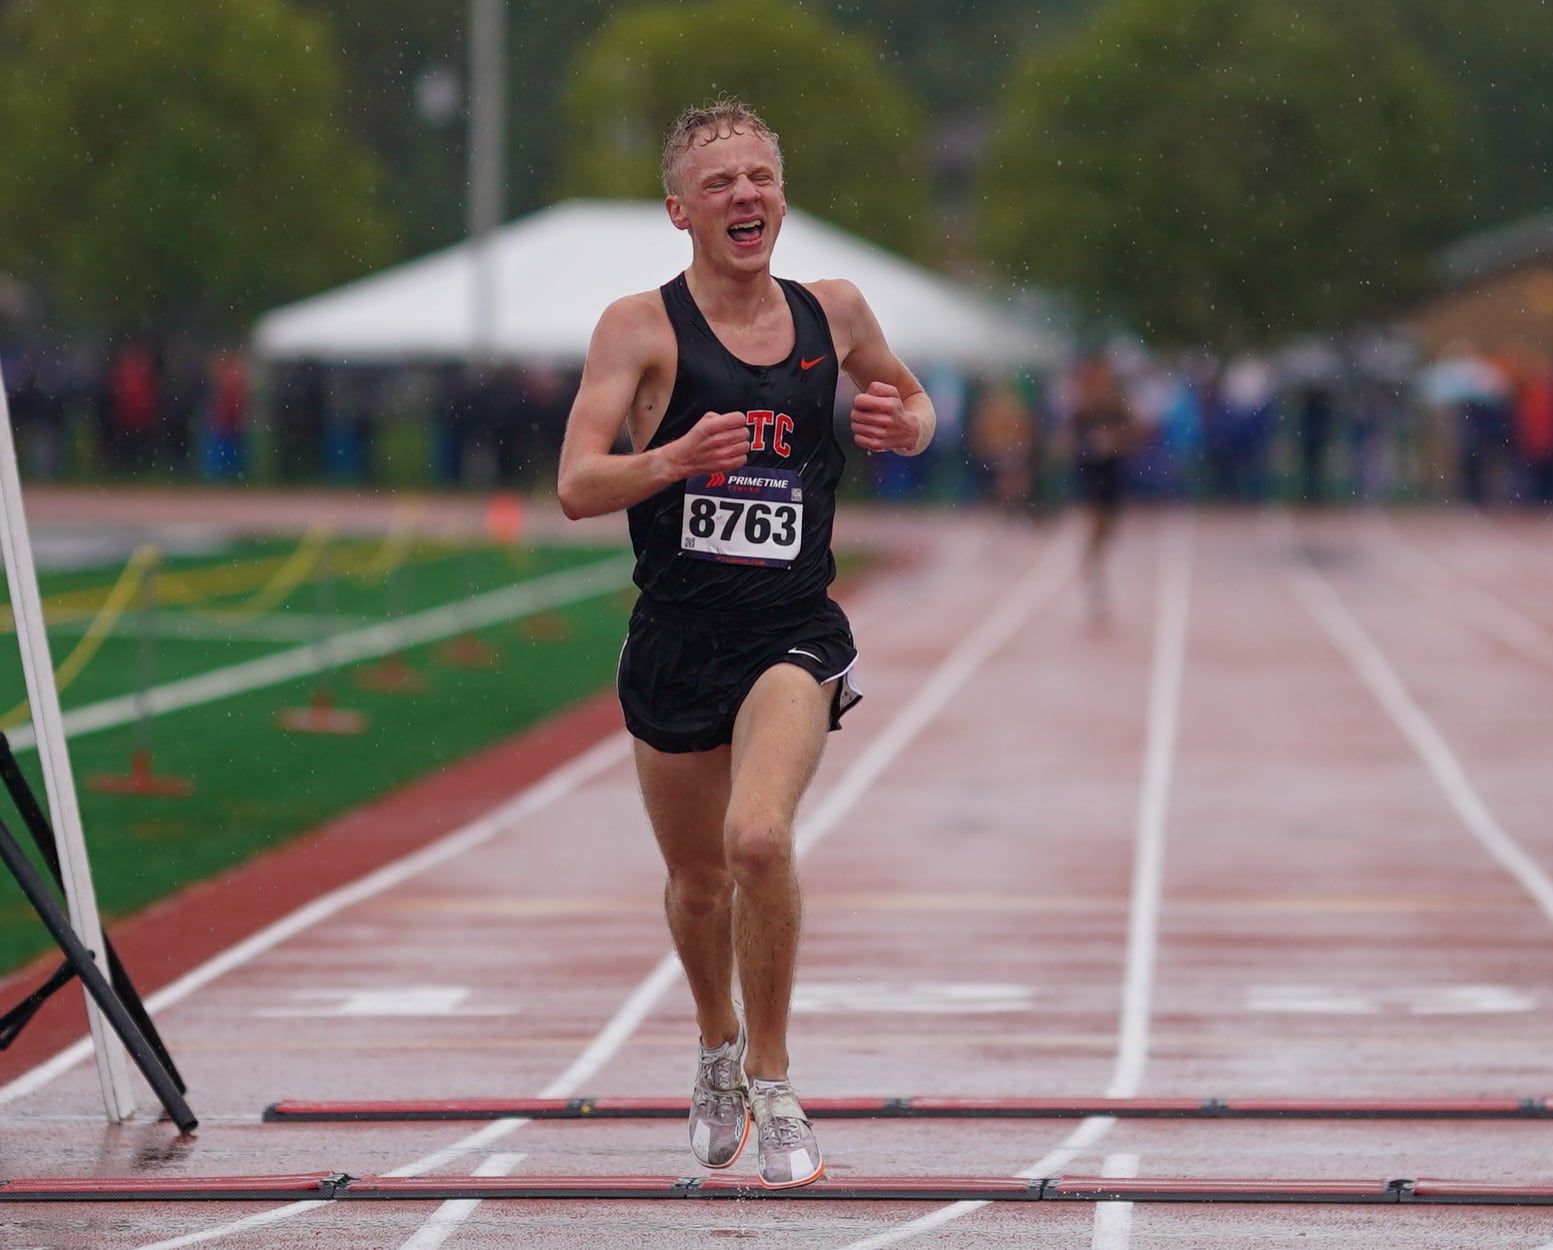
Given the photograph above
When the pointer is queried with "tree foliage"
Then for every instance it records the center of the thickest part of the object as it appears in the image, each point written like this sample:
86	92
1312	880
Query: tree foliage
1225	171
852	132
1497	57
952	56
390	48
956	53
390	53
1238	166
181	172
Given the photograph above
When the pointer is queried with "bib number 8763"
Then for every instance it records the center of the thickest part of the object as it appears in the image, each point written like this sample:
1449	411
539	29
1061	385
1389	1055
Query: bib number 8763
756	523
749	518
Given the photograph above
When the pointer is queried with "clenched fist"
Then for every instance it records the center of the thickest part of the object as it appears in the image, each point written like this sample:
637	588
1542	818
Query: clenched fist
880	421
720	441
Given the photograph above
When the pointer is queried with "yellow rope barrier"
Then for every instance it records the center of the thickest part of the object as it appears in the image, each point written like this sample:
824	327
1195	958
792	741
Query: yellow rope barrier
102	625
390	556
298	569
173	589
186	590
395	548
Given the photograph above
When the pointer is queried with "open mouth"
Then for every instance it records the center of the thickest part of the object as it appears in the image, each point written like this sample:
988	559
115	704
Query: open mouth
747	232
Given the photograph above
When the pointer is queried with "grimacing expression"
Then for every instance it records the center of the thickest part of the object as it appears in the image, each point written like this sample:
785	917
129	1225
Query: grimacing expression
730	184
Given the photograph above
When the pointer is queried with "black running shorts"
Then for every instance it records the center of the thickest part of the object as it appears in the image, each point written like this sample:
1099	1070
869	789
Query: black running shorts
684	675
1099	480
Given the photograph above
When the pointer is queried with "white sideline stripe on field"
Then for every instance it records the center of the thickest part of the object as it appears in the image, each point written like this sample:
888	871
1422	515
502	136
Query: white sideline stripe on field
432	625
1143	919
170	624
1027	597
1366	659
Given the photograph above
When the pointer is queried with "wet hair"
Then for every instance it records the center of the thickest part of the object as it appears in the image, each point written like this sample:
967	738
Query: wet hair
724	116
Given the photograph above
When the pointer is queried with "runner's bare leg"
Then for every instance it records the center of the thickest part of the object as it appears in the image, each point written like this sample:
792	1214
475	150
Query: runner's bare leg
686	797
778	738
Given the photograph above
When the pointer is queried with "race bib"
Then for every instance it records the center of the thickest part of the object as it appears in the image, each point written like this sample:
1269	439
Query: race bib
750	516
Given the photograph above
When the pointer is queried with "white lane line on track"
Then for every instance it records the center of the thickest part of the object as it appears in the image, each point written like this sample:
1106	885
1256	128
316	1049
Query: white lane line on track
1381	679
1481	609
605	755
247	1224
1029	596
1164	707
995	631
450	1216
432	625
1113	1220
1169	664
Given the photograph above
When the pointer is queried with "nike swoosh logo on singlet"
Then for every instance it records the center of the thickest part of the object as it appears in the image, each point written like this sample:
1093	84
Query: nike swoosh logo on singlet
809	364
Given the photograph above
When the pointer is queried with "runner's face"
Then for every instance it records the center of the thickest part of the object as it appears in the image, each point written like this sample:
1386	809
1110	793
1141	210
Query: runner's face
730	198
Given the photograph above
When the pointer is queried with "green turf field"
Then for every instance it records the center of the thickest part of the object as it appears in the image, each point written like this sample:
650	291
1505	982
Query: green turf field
226	640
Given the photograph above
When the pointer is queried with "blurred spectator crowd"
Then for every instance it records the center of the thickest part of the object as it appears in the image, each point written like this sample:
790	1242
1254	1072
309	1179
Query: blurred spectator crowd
1365	421
163	410
1316	423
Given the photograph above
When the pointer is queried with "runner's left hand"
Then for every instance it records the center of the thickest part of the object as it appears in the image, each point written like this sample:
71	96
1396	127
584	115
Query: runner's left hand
880	421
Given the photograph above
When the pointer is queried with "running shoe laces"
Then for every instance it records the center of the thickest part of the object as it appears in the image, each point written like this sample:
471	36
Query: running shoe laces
788	1153
719	1112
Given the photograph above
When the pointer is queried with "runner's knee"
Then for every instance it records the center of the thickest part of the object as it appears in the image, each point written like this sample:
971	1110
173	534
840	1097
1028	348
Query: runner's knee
759	850
701	891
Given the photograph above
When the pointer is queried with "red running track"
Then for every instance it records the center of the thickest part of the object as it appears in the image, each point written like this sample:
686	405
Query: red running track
1276	838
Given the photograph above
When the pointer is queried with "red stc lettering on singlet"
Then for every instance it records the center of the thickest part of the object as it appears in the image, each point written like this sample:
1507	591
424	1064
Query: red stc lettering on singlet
773	425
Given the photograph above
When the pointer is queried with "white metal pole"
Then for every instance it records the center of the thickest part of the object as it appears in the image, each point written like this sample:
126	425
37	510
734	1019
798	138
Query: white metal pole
64	810
487	100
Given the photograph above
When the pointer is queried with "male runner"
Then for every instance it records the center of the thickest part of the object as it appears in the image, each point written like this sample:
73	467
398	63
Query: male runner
736	662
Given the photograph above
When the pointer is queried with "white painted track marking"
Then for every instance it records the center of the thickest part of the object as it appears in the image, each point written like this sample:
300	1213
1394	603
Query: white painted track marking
1164	710
557	785
1113	1220
450	1216
341	650
174	626
1365	658
1479	608
1143	920
1028	597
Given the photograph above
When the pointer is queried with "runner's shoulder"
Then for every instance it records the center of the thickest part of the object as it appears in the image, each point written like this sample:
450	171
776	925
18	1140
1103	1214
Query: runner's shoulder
847	314
636	326
837	296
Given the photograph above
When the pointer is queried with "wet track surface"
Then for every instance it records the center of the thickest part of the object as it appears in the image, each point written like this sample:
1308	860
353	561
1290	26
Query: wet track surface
1278	831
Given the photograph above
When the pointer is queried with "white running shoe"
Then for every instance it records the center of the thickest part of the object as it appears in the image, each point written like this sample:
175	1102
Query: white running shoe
719	1110
784	1138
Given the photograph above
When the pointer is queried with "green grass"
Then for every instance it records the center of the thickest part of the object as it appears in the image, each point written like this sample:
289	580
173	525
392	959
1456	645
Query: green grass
255	786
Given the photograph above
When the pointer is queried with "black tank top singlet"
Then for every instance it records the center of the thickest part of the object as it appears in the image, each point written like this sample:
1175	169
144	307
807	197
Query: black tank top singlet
792	415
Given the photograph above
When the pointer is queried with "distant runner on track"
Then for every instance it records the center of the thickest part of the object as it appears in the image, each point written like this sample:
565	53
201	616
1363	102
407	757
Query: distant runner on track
736	662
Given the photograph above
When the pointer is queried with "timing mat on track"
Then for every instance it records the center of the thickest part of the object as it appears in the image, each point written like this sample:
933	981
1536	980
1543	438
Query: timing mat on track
303	1112
338	1186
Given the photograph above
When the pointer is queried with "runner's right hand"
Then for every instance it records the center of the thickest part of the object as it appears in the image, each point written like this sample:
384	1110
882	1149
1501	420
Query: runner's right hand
718	442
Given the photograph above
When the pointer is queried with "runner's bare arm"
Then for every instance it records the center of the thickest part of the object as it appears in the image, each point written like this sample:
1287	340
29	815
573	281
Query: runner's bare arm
626	380
891	411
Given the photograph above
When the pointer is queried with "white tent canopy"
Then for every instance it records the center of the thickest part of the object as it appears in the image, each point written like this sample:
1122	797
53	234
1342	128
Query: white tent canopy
554	272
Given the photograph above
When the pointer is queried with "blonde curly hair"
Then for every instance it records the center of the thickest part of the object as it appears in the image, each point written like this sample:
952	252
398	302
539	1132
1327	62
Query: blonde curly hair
723	116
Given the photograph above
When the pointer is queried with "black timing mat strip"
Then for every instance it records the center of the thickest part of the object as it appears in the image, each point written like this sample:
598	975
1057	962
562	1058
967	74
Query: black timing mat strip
337	1186
297	1111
